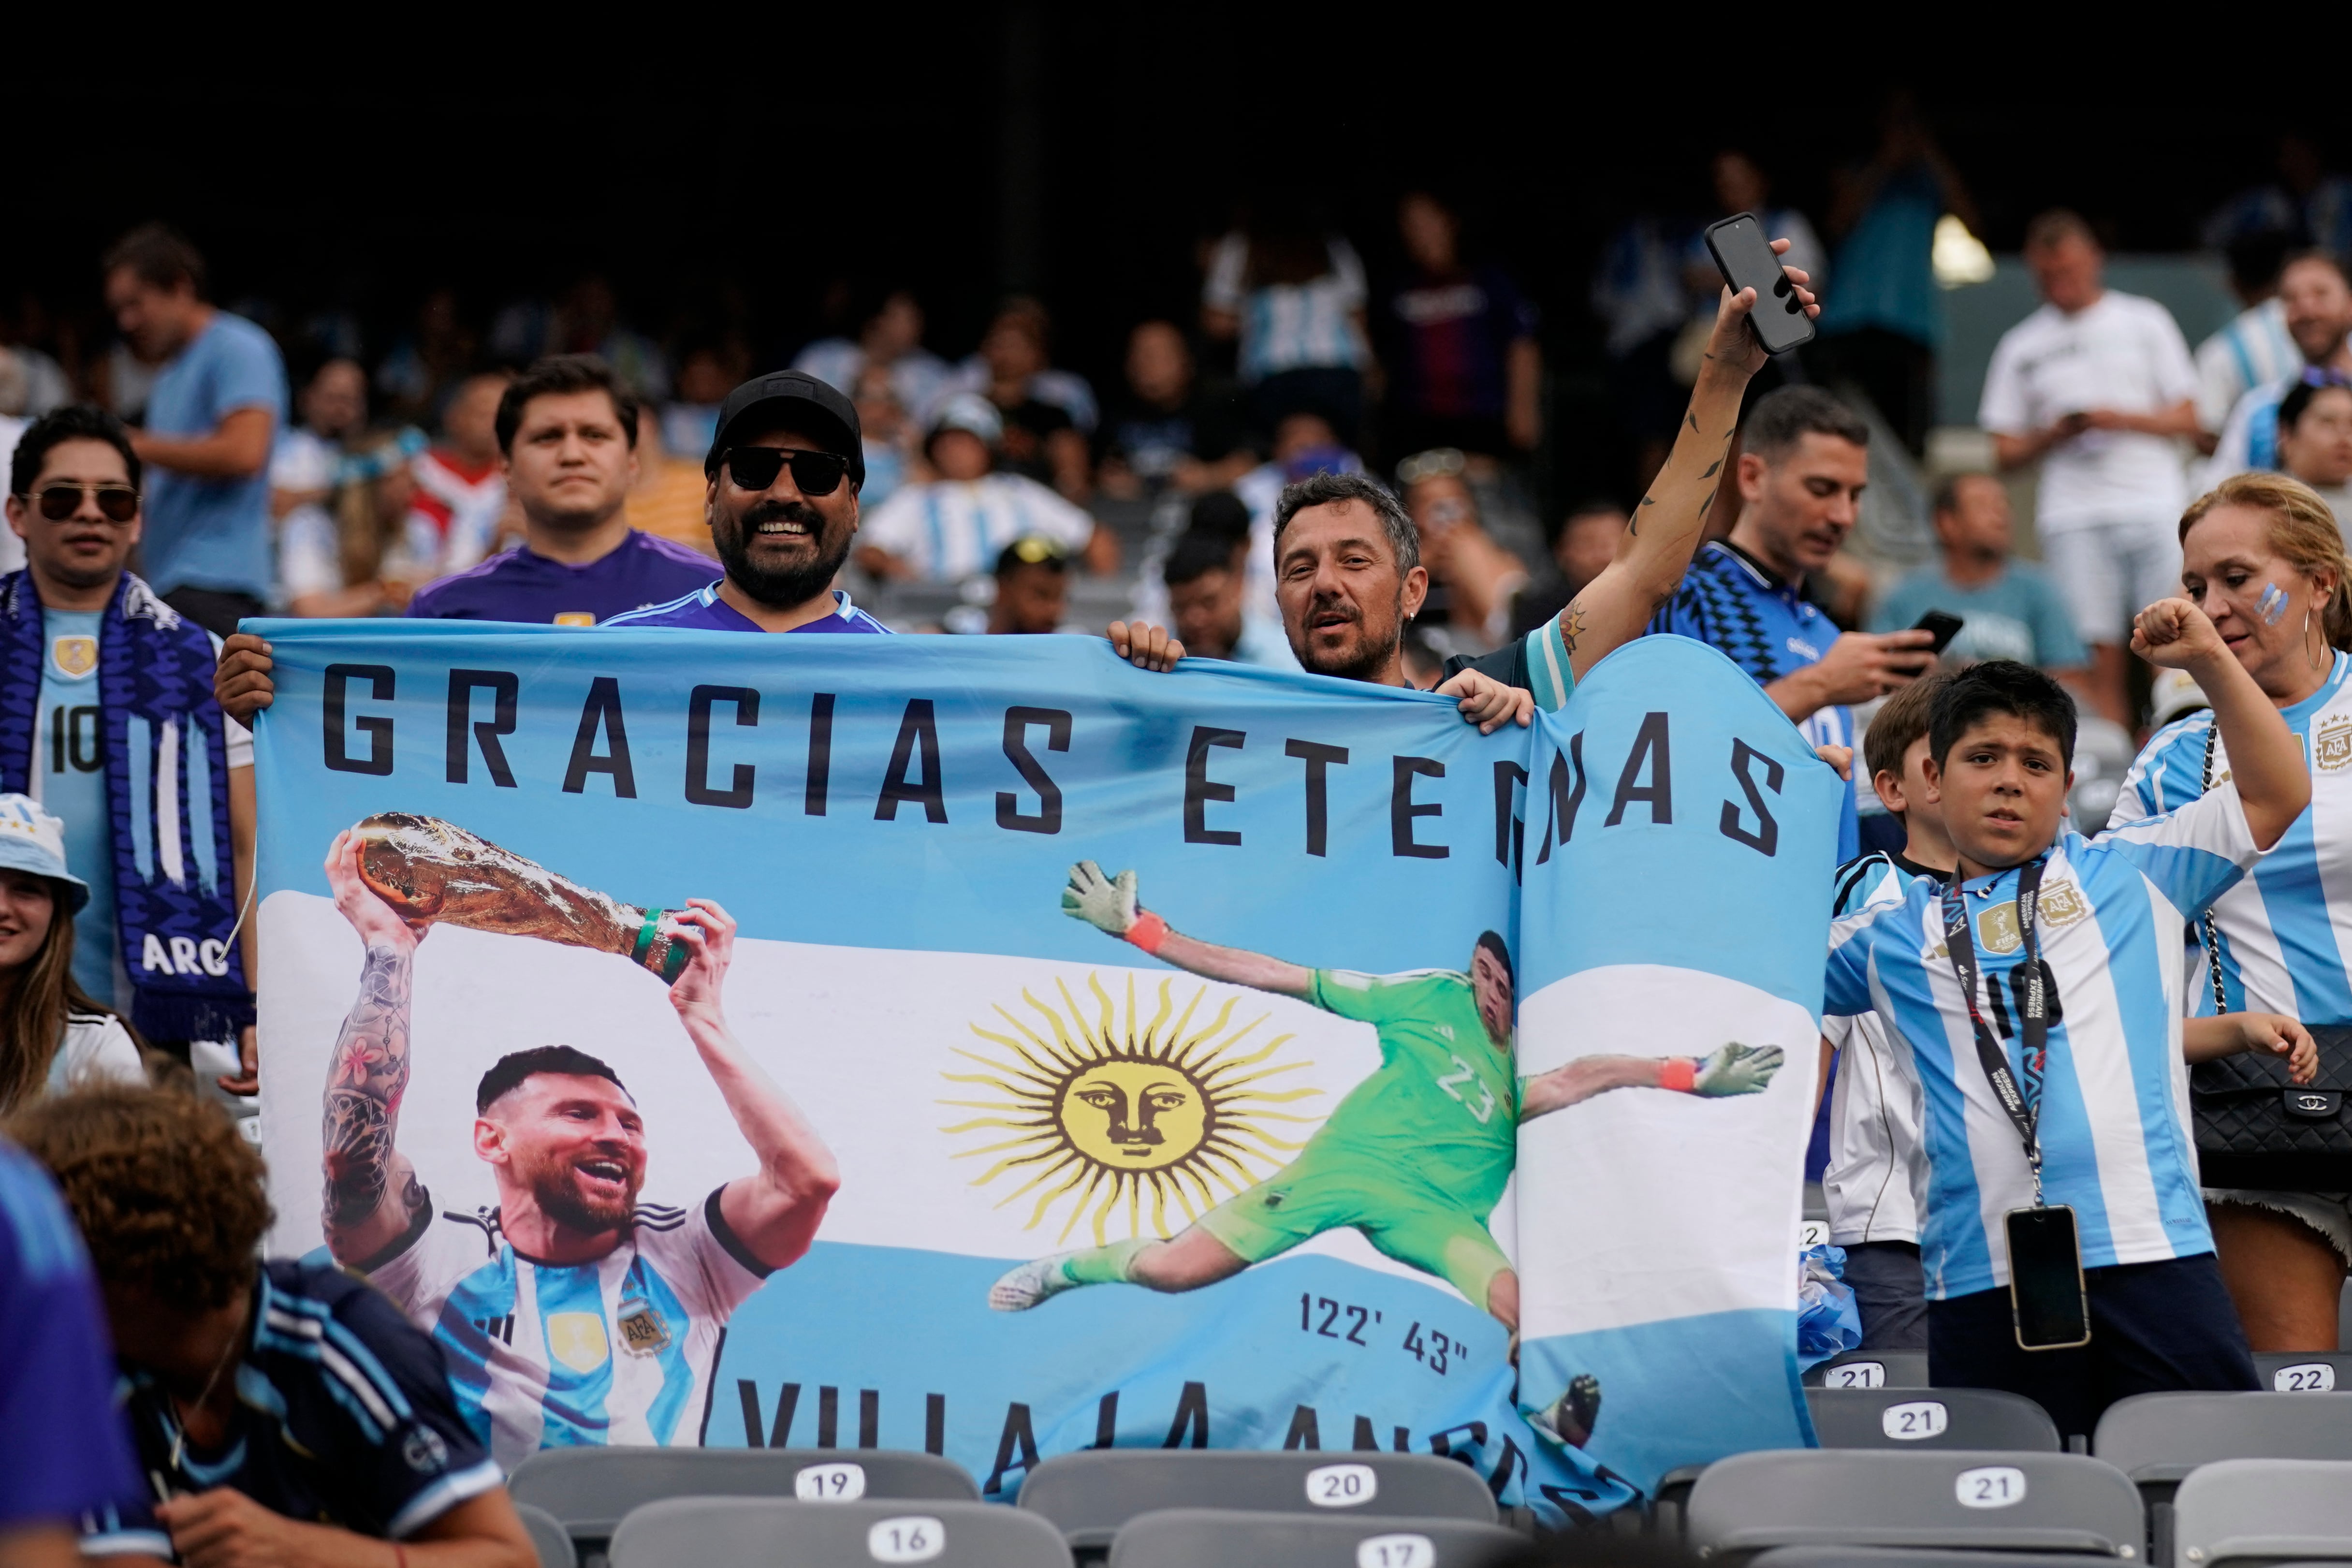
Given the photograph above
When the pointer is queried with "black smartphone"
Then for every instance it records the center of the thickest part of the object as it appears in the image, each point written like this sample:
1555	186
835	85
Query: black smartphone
2045	1280
1743	254
1944	625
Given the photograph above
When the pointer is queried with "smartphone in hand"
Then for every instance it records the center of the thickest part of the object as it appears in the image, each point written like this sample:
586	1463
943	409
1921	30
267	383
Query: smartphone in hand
1944	625
1743	254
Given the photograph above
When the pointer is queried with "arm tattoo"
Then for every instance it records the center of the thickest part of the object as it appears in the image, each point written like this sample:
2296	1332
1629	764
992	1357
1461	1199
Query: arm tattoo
1571	624
365	1078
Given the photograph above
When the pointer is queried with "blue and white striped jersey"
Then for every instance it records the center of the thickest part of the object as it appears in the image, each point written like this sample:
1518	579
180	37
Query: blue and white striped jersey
343	1416
2286	930
1733	603
545	1355
948	531
1874	1163
2114	1103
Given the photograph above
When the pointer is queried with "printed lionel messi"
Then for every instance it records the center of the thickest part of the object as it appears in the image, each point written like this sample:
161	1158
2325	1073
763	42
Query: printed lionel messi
571	1313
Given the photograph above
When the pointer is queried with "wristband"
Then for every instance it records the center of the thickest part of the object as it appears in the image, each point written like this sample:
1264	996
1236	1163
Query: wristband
1678	1073
1148	932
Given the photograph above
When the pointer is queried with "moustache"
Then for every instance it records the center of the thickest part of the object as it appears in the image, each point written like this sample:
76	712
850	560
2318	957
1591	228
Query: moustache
784	511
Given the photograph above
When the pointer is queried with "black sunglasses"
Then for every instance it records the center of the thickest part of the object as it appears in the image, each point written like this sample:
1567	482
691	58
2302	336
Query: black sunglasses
60	501
814	473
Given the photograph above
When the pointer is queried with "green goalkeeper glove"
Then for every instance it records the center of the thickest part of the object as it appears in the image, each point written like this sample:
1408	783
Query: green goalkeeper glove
1106	903
1737	1069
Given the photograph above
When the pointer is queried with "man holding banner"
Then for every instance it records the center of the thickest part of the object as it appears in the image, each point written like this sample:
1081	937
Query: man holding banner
571	1313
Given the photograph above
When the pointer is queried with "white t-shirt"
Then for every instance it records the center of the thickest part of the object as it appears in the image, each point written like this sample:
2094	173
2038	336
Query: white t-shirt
311	559
12	549
96	1049
2121	353
949	530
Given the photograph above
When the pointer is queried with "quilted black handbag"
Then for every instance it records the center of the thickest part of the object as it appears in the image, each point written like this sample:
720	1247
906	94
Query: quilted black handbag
2257	1127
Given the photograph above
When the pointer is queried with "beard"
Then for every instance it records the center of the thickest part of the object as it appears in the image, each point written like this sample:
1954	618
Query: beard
555	1186
1362	659
779	586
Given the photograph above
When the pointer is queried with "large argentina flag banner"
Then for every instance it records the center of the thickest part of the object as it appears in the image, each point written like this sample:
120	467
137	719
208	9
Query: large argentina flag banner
1677	829
1242	1179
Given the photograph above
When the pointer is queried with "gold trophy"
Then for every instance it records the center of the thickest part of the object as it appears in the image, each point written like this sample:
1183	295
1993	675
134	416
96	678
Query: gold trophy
428	870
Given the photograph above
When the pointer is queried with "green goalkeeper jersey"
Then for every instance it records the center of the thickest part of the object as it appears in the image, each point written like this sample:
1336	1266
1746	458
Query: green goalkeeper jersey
1443	1103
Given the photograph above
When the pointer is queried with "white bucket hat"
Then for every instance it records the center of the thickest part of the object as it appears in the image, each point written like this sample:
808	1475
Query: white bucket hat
32	840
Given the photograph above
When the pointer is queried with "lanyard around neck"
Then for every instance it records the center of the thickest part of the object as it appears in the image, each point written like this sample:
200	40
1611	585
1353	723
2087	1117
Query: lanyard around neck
2025	1109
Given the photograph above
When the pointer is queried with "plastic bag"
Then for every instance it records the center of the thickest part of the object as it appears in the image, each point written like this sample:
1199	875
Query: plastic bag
1827	1319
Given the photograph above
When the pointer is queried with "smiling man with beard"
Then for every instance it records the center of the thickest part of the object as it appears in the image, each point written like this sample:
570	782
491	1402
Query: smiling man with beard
571	1313
784	469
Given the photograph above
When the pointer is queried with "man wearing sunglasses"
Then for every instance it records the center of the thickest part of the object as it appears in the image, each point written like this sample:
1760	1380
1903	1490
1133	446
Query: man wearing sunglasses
784	472
104	721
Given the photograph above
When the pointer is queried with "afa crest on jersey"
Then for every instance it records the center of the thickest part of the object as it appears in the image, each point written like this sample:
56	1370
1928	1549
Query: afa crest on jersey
2332	746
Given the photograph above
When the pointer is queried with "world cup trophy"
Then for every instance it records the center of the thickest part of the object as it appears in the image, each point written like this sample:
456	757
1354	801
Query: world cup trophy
428	870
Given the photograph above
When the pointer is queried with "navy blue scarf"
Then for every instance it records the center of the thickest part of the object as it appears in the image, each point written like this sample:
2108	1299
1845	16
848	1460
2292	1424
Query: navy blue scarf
167	798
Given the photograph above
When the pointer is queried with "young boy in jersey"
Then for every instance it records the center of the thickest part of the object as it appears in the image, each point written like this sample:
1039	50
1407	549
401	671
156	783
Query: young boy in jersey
2101	1107
281	1412
1874	1105
571	1313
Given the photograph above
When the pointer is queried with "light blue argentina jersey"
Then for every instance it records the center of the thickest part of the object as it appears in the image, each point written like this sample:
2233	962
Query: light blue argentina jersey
2286	931
2116	1142
545	1355
1874	1163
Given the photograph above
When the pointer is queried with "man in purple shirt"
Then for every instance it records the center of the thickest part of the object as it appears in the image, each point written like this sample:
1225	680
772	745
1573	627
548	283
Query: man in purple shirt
569	436
786	469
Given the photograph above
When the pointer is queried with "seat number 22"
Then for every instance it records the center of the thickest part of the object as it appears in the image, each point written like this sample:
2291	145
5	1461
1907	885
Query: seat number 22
1486	1106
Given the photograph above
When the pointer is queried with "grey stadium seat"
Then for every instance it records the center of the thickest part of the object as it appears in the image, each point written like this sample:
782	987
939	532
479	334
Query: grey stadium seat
1956	1498
1894	1557
1230	1538
548	1539
1930	1418
2272	1510
2157	1439
1870	1369
2312	1372
2163	1436
1089	1495
590	1488
767	1533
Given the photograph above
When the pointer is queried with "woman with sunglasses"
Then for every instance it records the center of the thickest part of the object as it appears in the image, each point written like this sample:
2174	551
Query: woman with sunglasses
2262	558
51	1034
2314	438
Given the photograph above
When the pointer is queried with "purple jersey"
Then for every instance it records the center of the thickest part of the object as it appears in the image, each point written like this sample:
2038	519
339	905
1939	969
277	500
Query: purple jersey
522	586
63	1449
704	611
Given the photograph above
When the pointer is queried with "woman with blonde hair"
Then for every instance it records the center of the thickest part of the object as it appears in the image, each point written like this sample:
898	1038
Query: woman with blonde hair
366	550
2262	556
51	1034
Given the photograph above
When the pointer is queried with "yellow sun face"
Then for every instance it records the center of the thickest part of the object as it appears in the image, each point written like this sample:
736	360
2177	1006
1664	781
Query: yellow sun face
1134	1126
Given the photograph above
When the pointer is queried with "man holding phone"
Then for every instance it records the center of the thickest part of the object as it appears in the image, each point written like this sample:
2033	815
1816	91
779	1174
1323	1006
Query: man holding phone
2063	1239
2006	609
1803	464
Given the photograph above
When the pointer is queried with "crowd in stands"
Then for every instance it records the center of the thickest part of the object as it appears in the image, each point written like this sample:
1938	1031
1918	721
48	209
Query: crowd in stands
1349	502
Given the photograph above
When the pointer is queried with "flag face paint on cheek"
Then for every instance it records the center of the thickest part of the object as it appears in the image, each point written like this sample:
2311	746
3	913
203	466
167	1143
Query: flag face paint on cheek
2272	605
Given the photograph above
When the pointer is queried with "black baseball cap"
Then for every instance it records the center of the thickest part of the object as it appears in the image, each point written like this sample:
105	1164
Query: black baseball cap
796	396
